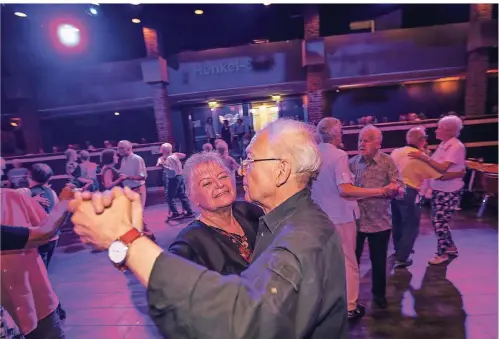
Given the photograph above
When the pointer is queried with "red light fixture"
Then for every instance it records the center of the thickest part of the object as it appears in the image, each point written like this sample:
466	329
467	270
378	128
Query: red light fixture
68	35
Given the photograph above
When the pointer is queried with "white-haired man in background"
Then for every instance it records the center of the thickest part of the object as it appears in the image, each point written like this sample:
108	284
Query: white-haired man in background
295	284
374	169
406	211
174	181
335	193
133	171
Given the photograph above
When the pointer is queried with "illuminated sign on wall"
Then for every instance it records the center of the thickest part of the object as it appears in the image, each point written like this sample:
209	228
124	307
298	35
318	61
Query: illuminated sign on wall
223	68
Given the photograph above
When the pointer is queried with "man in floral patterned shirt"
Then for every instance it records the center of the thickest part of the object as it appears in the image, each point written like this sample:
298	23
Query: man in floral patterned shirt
374	169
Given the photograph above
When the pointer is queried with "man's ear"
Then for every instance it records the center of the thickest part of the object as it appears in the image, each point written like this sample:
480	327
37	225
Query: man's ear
283	172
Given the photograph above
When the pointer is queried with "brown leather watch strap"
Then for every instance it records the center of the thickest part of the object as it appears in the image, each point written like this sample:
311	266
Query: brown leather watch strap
129	237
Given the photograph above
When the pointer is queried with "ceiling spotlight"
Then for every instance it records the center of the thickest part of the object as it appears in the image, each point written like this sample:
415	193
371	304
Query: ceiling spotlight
116	113
198	12
135	3
20	14
266	3
136	21
68	35
92	10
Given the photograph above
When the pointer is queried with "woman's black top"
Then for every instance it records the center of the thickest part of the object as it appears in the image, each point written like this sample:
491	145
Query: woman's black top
216	249
100	177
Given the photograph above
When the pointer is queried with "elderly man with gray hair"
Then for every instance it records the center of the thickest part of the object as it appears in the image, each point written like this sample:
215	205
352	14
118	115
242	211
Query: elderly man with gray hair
295	284
374	169
133	172
174	181
335	193
406	212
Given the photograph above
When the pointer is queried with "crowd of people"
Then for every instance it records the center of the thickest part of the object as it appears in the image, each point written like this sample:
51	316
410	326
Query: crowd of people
284	263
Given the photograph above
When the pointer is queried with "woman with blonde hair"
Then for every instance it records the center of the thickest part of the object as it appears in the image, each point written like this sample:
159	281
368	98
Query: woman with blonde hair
222	238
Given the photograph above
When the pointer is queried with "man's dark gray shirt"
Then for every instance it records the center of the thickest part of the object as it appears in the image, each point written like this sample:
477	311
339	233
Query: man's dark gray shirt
294	288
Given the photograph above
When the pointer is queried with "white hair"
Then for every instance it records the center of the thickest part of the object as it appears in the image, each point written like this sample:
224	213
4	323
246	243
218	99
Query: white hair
414	134
452	122
326	129
70	153
222	147
126	144
296	142
207	147
375	131
204	159
166	146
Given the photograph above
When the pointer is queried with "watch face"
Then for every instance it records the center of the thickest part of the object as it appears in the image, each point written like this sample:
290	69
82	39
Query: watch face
117	252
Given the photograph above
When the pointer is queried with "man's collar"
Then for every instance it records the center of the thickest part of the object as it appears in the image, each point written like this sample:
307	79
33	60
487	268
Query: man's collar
273	219
448	141
375	159
413	146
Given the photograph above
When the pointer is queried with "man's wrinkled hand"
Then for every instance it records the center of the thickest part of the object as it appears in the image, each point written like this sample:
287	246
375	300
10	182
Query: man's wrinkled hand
419	155
100	219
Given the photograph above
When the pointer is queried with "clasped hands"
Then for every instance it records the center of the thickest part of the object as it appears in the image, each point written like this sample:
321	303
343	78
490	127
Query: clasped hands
392	190
101	218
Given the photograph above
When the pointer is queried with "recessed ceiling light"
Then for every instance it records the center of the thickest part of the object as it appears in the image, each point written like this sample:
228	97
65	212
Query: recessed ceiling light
135	3
266	3
136	21
116	113
20	14
198	11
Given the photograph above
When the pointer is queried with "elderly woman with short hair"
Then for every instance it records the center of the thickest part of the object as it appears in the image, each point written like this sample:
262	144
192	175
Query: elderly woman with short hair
448	157
222	237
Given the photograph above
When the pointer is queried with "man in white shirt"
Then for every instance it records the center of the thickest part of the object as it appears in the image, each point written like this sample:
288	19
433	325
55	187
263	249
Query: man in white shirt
134	172
406	212
334	192
172	168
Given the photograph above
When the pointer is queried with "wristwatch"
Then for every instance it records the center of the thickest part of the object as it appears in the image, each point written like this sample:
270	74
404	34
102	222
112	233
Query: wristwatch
118	250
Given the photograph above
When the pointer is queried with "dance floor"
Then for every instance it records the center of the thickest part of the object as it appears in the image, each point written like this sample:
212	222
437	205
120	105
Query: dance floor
456	301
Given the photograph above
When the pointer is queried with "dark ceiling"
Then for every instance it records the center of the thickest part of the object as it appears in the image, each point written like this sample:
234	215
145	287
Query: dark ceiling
112	35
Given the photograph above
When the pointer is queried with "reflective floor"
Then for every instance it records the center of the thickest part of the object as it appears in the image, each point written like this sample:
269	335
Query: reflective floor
453	302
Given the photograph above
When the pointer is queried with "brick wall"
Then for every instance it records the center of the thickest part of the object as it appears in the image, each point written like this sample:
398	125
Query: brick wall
478	64
476	82
151	41
315	93
162	108
311	19
315	74
162	112
480	12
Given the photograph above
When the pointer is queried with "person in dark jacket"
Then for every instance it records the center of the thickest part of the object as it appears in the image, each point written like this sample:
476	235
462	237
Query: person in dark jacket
295	285
222	238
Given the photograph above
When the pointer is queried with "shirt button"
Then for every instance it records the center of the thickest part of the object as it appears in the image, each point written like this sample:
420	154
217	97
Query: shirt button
4	271
18	308
273	290
10	287
261	234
